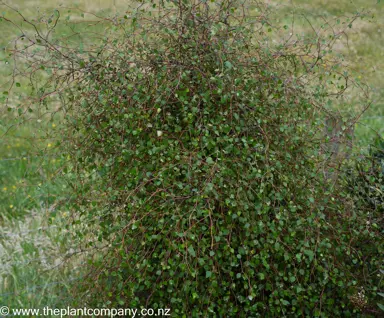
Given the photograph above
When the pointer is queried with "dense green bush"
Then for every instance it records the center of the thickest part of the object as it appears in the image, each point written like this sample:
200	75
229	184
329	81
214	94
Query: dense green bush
196	138
366	186
368	182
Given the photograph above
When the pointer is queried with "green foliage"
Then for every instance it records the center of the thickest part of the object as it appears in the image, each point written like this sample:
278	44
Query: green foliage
196	141
366	184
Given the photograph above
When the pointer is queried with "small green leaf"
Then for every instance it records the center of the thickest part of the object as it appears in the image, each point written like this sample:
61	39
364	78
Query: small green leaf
312	200
310	254
228	65
192	251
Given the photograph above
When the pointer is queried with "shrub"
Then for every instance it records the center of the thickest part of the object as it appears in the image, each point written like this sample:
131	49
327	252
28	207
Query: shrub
197	145
366	186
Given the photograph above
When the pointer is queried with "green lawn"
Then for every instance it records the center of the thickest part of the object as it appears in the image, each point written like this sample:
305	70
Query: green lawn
363	47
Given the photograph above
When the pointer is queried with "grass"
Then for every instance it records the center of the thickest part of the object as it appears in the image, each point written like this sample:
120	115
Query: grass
27	174
31	253
31	239
363	49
